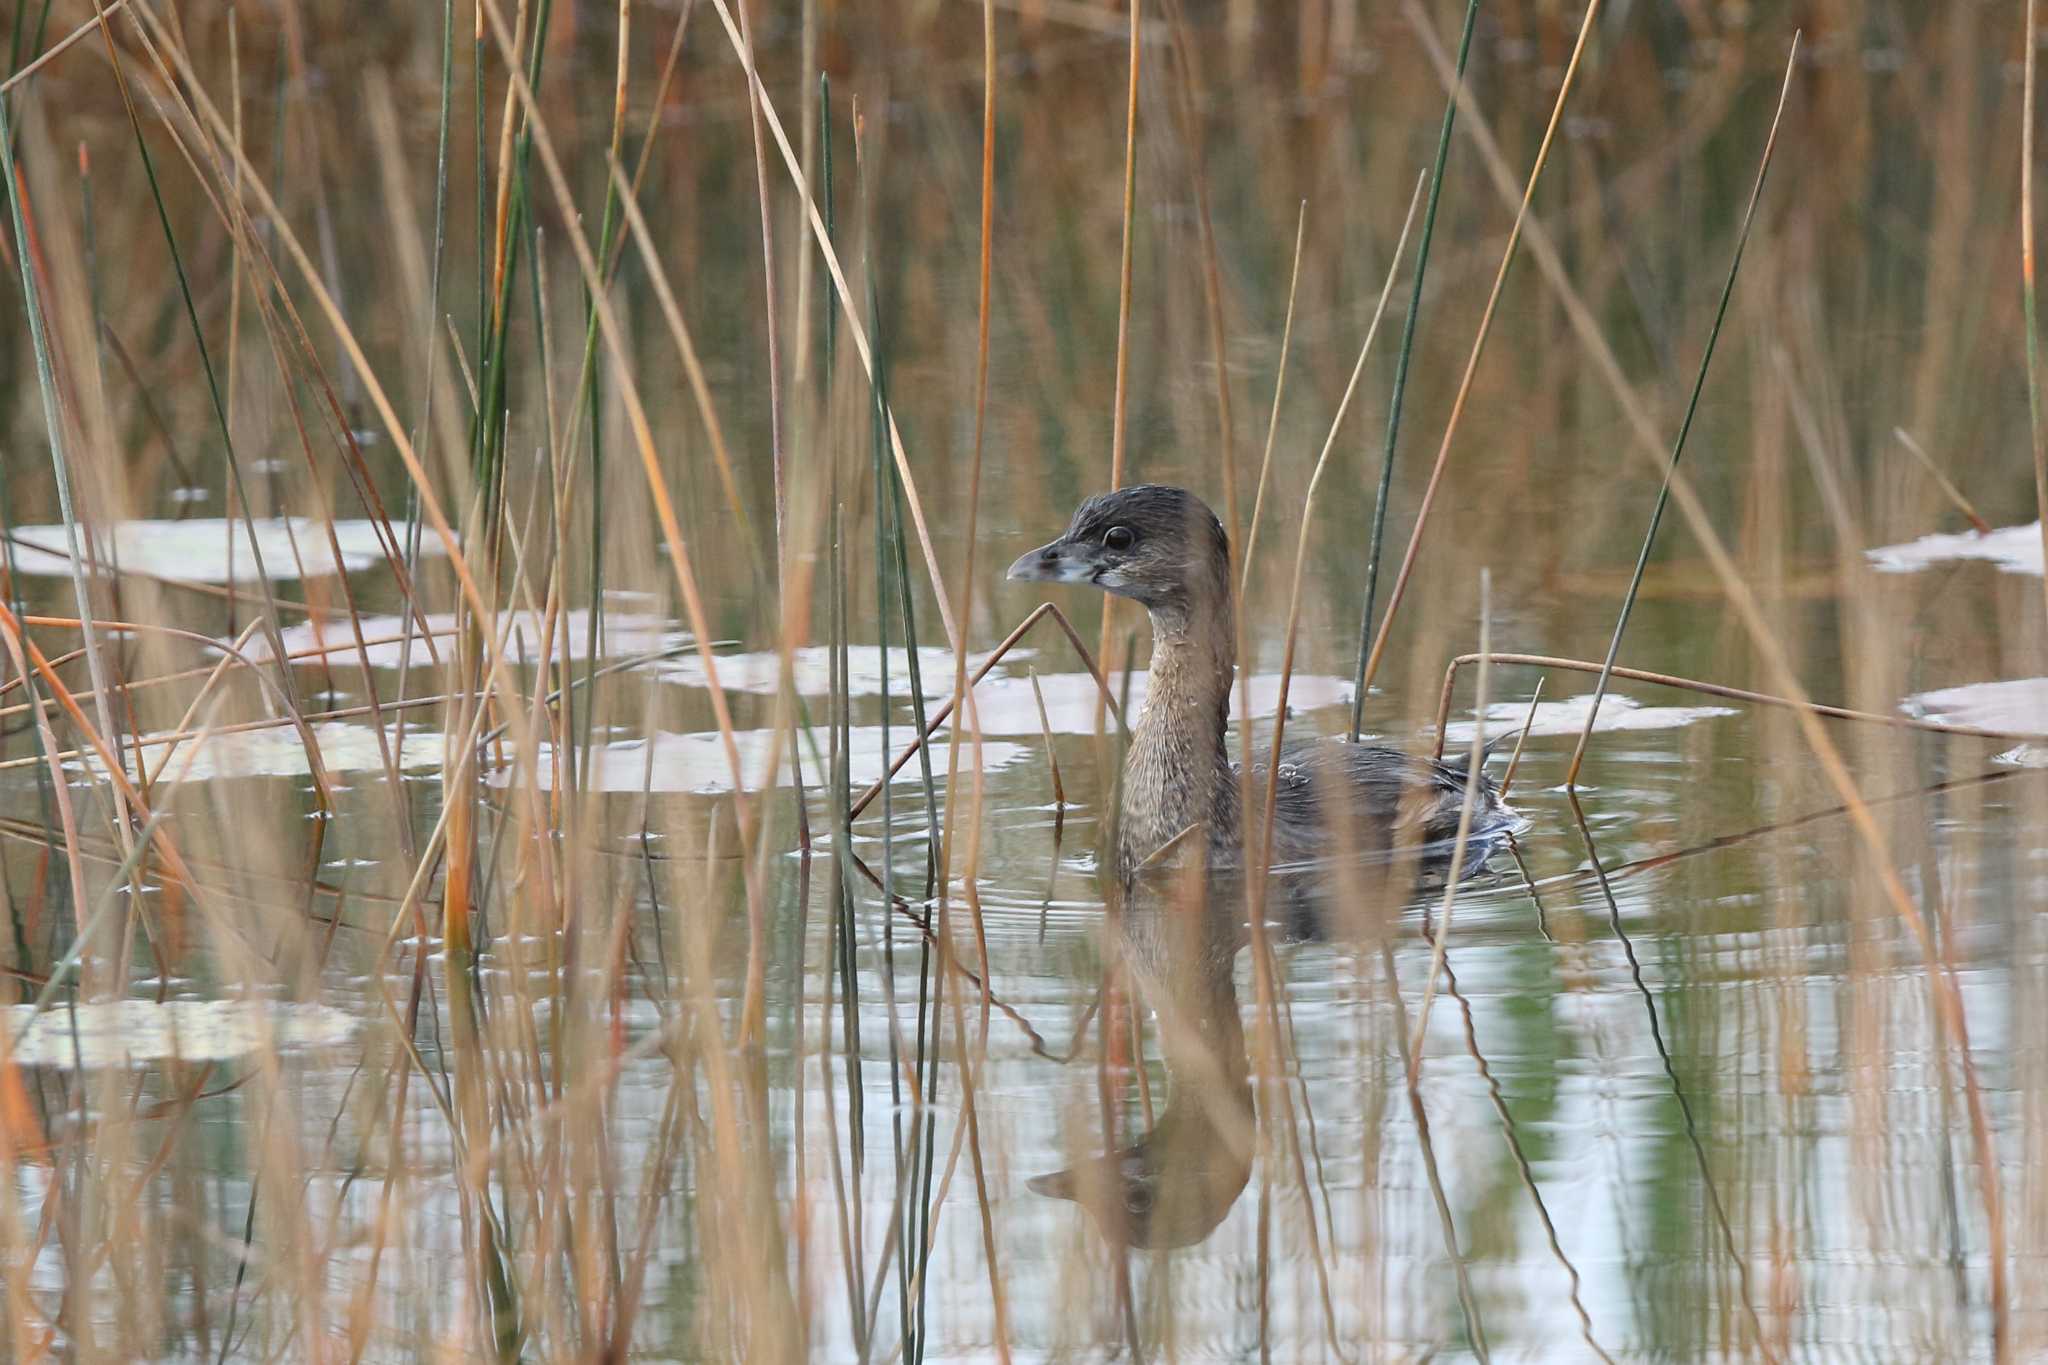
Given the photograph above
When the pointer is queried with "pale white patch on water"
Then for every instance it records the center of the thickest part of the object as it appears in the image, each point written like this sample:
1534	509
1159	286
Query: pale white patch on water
118	1033
2015	704
2024	756
1006	705
811	669
197	549
697	763
2015	549
280	751
619	635
1568	717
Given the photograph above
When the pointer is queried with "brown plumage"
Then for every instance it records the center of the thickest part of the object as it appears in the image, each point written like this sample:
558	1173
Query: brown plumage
1162	547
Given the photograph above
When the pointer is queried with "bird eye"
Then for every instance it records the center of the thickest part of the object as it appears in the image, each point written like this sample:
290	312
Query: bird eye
1119	538
1138	1200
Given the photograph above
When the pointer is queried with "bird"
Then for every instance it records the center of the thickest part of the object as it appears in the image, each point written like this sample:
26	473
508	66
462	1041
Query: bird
1162	547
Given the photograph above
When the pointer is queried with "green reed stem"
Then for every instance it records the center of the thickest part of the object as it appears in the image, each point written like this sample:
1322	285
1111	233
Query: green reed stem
1699	383
594	411
213	390
840	715
928	985
413	521
60	887
892	579
15	53
1379	507
927	1011
483	190
487	440
1719	1209
46	384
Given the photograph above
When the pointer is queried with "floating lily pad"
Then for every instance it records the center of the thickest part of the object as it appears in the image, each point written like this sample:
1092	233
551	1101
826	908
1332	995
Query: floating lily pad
620	635
121	1033
2019	704
198	548
1568	717
697	763
811	669
2015	549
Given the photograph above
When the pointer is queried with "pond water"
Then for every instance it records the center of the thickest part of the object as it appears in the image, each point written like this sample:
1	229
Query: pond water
1692	1081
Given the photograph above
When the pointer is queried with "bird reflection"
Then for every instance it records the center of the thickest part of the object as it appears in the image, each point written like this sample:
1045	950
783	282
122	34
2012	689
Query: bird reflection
1172	1186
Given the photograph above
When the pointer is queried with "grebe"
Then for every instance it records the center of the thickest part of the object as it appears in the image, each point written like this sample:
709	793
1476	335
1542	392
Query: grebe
1162	547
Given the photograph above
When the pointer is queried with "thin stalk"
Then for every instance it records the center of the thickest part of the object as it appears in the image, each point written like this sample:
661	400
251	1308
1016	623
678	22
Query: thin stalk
906	1163
768	315
854	330
1258	851
1475	1330
1500	279
1052	757
1255	886
56	49
1507	780
853	1251
213	390
622	195
46	384
1692	407
1947	485
1251	535
964	697
1117	423
2034	414
892	577
681	563
1699	1151
587	381
516	210
1189	117
483	172
939	717
1379	506
1441	937
770	321
1117	429
414	524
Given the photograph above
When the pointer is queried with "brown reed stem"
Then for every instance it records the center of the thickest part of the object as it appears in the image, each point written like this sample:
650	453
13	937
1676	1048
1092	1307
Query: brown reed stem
1947	486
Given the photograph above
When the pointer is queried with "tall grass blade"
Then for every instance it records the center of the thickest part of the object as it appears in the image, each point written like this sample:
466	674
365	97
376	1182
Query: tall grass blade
2035	417
1507	259
1408	325
843	931
1692	407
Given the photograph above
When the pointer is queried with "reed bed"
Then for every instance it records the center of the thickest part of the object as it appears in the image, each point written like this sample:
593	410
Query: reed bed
502	517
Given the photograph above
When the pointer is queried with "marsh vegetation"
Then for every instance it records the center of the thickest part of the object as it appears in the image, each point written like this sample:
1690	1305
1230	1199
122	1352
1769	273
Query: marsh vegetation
492	495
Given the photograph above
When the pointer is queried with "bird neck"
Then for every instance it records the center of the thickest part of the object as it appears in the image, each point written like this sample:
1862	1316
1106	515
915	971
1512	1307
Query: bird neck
1177	773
